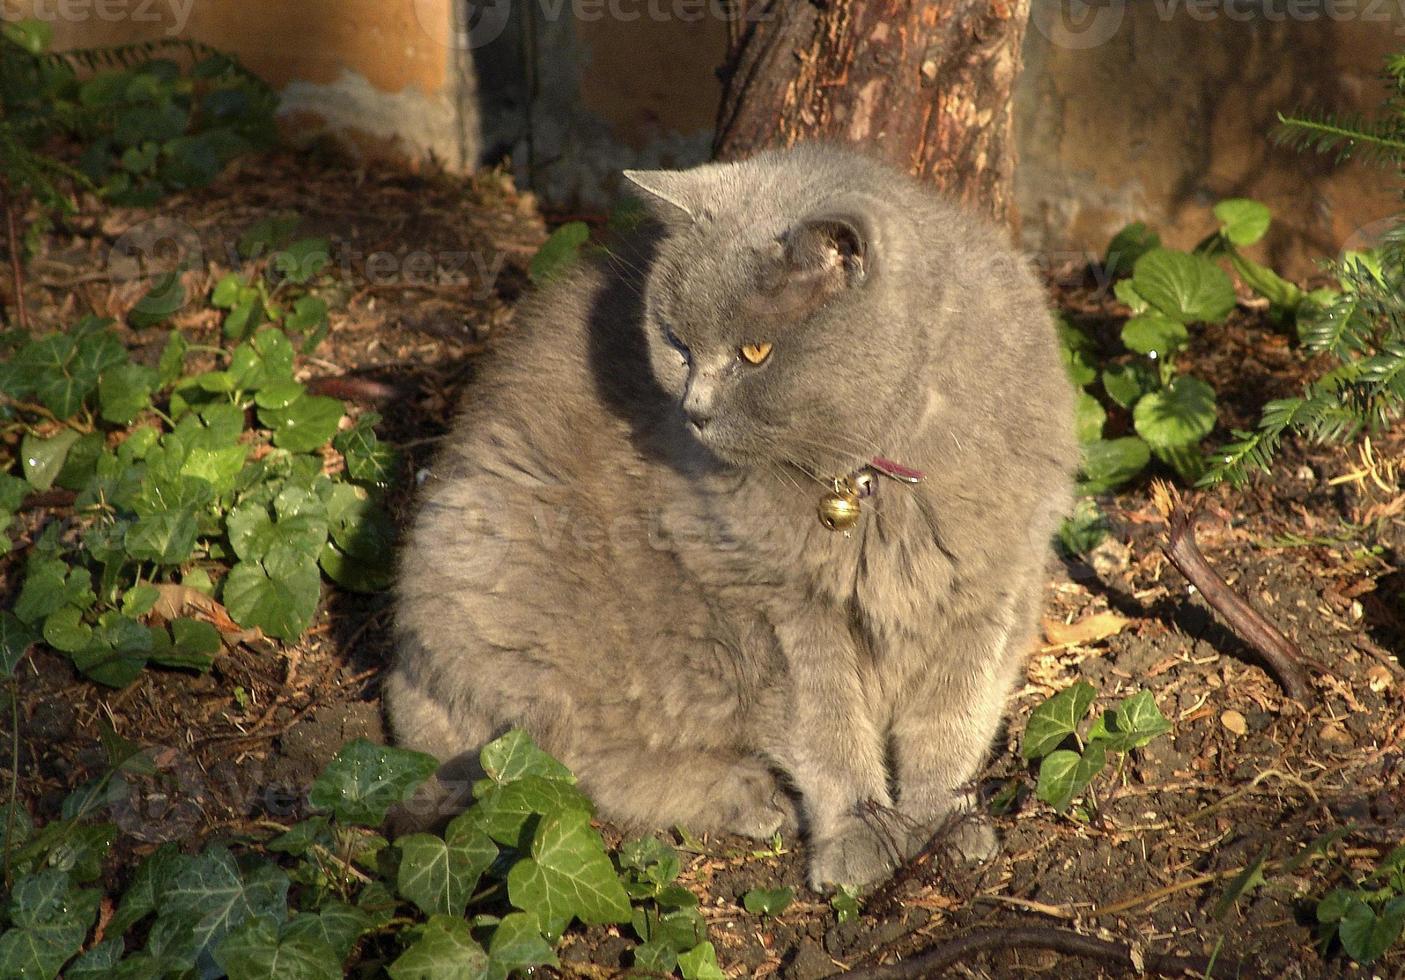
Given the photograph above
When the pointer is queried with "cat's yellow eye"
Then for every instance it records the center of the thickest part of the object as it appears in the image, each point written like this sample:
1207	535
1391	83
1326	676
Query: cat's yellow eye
756	353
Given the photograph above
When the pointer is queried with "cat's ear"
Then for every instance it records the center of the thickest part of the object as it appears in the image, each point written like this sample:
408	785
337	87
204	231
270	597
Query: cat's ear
668	192
810	265
833	251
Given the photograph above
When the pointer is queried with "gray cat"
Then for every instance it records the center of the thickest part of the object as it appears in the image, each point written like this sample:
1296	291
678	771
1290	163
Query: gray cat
621	548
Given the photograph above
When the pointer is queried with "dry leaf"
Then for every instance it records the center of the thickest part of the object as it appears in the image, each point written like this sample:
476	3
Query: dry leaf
1089	629
1234	721
1379	677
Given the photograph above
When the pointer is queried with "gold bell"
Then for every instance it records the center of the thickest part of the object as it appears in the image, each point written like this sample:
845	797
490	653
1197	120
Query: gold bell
839	509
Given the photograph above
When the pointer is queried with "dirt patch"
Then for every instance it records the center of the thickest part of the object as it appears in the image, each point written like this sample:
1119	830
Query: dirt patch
1244	773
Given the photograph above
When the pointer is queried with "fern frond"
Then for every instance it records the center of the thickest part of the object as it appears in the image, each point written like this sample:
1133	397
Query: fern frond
1338	328
1349	137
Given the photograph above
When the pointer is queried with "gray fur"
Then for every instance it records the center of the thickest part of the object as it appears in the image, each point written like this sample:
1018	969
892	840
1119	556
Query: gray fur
657	603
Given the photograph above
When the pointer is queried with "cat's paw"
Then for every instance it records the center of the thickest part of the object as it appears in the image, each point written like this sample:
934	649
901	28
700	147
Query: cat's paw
758	807
857	856
966	836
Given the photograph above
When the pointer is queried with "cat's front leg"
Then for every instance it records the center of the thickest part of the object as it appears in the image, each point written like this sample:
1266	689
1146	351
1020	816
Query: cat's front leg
825	735
944	721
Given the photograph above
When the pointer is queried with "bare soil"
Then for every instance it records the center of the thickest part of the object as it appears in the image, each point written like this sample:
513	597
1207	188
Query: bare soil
1316	546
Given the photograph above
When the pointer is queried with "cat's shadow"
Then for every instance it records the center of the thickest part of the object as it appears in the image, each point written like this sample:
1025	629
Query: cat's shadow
618	353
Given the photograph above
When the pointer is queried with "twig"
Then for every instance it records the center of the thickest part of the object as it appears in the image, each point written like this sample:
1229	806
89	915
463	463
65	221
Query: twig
1279	653
1064	941
7	201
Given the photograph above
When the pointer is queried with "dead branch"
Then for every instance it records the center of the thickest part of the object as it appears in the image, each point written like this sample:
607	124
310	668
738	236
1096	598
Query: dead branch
932	962
1280	653
8	202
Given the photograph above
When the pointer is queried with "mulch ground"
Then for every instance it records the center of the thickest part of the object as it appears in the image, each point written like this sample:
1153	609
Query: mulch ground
430	267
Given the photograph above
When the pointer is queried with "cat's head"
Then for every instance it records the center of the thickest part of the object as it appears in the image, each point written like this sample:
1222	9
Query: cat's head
777	307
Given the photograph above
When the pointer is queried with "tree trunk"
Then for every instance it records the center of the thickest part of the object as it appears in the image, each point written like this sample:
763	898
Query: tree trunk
925	84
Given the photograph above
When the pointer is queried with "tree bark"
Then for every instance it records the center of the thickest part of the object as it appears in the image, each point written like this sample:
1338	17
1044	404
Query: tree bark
925	84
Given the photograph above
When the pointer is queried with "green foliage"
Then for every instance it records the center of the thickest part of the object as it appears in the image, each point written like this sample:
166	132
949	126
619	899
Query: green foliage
305	904
213	476
1367	918
559	252
146	125
1353	137
1065	773
767	901
1360	329
1140	387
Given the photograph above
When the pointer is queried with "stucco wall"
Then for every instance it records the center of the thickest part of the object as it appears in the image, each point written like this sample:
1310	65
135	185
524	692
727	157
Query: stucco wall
1128	109
393	75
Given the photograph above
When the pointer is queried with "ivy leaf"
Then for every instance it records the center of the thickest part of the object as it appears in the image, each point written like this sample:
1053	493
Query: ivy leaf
1155	335
515	755
50	584
278	593
117	652
167	537
309	318
44	457
1063	774
267	234
164	298
1366	934
1177	416
303	259
368	460
439	874
364	780
98	963
517	945
1128	245
1136	721
559	252
768	901
49	921
15	640
337	924
254	951
65	630
445	950
1089	418
305	424
568	876
1084	529
210	898
504	810
124	392
172	363
700	963
1243	883
1242	221
153	877
1125	383
1056	719
301	525
1188	288
1077	352
1126	292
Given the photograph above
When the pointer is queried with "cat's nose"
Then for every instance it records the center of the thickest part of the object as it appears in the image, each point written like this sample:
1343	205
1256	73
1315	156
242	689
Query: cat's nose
698	418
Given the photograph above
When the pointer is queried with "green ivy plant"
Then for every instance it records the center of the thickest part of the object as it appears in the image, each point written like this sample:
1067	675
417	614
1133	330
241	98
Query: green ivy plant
1065	773
215	481
1369	917
147	125
488	898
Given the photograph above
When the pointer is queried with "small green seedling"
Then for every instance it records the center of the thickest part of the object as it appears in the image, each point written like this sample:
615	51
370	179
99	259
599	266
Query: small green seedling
1064	773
